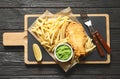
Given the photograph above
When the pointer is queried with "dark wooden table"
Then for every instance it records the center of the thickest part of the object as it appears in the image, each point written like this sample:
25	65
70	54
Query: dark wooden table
12	58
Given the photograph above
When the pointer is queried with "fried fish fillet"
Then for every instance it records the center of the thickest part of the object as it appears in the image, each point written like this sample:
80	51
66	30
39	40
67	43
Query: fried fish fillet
77	38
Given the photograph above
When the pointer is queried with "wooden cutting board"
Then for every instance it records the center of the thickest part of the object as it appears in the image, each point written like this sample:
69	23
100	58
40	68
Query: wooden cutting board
100	21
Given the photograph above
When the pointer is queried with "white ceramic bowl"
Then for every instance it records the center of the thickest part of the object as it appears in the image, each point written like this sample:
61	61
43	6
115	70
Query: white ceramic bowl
61	44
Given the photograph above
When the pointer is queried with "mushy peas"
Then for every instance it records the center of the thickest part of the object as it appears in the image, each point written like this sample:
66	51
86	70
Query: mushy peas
63	52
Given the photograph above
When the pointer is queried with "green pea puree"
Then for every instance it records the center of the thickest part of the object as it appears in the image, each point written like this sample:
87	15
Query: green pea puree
63	52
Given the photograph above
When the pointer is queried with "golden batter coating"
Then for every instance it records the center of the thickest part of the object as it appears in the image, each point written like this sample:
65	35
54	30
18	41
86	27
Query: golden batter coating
77	38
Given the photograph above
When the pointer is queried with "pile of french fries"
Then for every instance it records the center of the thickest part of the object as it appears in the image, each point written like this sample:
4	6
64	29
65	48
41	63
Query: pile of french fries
51	31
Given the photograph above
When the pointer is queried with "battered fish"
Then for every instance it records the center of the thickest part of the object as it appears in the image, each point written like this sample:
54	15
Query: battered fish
77	38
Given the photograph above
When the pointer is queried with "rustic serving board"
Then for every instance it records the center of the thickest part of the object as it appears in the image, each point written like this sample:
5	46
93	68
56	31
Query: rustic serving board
101	22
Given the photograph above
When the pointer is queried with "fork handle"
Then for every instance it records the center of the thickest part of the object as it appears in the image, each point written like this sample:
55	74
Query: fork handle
102	41
98	45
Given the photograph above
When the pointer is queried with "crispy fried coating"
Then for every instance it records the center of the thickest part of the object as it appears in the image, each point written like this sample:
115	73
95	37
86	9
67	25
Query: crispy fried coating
77	38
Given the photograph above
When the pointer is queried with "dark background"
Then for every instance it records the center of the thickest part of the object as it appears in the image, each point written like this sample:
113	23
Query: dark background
12	58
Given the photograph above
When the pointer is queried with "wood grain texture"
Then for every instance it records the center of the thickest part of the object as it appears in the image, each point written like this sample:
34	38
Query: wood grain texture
14	19
11	58
62	77
59	3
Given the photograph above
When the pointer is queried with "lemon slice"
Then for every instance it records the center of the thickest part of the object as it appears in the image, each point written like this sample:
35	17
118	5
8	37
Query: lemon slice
37	52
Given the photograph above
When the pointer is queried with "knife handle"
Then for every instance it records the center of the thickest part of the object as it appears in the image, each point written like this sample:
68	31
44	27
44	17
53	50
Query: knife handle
102	41
98	45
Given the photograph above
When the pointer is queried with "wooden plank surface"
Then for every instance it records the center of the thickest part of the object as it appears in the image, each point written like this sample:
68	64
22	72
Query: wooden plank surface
17	22
59	3
11	58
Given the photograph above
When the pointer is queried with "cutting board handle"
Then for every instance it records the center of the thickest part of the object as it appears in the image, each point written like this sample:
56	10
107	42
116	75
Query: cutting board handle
15	38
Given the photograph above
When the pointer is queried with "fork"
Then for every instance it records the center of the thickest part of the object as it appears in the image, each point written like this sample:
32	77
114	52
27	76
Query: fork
97	37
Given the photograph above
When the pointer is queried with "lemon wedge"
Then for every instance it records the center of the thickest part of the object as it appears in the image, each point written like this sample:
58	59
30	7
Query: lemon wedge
37	52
